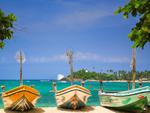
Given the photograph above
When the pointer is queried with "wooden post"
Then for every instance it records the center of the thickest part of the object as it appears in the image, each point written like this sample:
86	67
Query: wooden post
54	86
128	84
21	58
101	85
32	85
71	71
82	83
69	54
140	82
134	68
3	88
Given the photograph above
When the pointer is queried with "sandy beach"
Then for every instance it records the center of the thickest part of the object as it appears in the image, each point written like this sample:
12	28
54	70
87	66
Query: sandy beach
90	109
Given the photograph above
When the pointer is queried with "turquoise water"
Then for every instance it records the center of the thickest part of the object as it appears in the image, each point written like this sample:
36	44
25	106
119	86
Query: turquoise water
47	98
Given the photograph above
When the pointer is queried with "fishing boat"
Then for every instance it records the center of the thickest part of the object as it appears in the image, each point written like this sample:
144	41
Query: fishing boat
132	100
21	98
74	96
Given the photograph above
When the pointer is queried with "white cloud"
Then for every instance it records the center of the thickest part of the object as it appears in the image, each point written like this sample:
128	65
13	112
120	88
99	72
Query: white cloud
75	19
46	59
100	58
85	17
80	56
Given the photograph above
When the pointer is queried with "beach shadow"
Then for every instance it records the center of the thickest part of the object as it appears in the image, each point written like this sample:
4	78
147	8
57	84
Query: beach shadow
147	111
121	111
35	110
84	109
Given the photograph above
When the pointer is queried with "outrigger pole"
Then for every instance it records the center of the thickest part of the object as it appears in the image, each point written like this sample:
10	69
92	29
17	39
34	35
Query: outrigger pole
21	59
21	82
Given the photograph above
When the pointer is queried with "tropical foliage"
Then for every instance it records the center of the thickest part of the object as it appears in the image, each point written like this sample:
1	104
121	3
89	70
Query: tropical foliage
140	34
6	27
83	74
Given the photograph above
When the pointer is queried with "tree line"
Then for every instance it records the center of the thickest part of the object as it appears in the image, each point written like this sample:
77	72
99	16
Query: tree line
83	74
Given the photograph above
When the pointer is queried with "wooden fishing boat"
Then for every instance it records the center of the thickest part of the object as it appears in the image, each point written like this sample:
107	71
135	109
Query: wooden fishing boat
132	100
73	97
21	98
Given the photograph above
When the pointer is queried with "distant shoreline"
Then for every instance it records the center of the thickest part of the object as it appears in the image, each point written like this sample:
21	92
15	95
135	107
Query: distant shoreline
137	81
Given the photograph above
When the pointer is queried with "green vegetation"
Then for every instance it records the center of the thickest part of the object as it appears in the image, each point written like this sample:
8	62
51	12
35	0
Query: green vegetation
109	75
140	34
6	27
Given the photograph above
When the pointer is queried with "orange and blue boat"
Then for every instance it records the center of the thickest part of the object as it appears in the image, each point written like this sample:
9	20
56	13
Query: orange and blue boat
21	98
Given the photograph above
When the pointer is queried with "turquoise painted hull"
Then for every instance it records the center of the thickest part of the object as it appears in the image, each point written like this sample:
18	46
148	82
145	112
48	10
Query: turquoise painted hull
137	106
132	100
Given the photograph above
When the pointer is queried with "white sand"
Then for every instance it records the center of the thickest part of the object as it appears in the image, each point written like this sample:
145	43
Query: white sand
95	109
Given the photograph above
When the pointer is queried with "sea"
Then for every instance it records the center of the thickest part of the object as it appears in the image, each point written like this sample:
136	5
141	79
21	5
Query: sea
48	97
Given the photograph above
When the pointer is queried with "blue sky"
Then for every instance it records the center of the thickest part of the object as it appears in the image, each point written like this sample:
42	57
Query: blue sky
45	29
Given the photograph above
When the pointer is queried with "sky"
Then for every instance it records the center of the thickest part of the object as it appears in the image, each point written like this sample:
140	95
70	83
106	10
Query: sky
46	29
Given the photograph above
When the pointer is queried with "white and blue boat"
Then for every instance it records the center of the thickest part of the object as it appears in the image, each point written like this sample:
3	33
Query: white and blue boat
73	97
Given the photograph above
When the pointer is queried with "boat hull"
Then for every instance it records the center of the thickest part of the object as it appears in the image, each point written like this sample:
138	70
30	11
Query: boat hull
127	100
73	97
138	105
22	98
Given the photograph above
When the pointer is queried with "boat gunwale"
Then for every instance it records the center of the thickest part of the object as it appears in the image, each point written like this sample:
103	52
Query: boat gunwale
71	87
137	89
6	95
121	95
20	87
71	91
145	89
11	92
